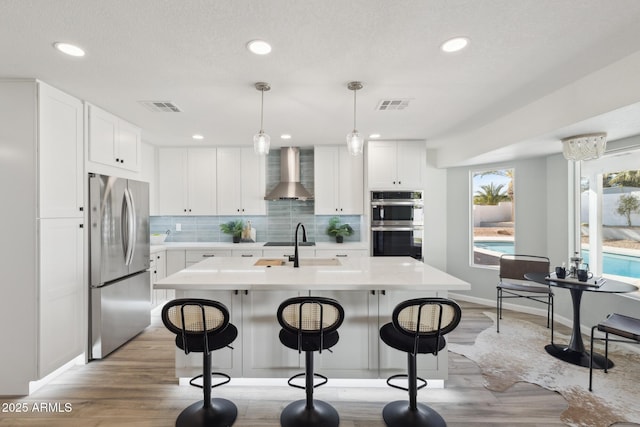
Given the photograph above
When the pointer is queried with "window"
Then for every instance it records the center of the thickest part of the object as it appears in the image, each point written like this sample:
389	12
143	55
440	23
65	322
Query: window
610	215
492	215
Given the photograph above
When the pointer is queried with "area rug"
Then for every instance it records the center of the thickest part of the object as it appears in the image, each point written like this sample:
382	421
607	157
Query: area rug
517	354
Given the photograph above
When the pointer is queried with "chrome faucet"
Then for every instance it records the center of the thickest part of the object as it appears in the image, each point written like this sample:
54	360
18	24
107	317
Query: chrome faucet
296	257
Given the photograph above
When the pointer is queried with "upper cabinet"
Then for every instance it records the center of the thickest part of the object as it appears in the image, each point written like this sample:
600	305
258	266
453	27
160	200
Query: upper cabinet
60	159
187	181
241	182
113	141
396	165
338	181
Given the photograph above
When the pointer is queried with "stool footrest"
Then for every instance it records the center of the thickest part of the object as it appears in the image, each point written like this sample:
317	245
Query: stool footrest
423	382
226	379
325	379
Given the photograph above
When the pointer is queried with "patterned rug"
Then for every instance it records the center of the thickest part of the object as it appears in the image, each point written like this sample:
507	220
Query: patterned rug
616	394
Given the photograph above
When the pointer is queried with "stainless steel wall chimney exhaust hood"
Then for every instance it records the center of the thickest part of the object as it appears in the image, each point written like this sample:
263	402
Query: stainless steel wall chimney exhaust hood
289	187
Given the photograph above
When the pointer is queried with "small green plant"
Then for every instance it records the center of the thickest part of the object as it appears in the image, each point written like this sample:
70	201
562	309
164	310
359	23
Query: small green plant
337	229
232	227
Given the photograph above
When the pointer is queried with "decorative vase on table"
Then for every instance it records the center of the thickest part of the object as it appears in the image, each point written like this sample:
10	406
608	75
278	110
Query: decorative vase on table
236	239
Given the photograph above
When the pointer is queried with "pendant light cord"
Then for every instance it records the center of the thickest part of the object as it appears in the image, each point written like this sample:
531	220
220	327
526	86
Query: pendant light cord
261	109
354	110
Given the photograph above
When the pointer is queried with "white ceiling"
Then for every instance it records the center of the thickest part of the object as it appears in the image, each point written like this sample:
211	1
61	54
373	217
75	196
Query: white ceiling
511	93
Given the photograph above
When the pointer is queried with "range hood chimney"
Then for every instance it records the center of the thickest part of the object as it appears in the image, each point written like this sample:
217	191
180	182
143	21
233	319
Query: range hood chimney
289	187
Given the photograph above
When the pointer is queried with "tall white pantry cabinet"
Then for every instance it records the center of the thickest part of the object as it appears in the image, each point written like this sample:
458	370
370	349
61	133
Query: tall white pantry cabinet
41	259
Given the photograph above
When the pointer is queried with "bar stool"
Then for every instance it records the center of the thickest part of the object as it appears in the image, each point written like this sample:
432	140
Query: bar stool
202	326
309	324
417	326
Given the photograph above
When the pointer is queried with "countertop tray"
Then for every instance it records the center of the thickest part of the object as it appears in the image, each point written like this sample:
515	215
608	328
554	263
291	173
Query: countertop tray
594	282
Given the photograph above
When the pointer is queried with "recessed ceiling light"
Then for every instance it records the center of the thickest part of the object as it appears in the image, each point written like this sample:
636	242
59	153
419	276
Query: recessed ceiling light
285	136
455	44
259	47
69	49
374	136
197	136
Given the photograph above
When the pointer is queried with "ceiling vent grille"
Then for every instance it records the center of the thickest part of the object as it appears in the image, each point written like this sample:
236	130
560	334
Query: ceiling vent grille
161	106
393	104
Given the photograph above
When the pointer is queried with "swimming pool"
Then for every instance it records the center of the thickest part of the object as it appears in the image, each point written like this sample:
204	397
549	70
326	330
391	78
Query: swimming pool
616	264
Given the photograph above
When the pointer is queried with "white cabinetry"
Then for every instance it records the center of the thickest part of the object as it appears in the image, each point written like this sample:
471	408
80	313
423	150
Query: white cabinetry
193	256
187	181
338	182
242	182
158	270
113	141
396	165
42	268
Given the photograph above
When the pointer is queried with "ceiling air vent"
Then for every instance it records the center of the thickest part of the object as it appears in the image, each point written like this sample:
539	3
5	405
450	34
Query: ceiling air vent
393	104
161	106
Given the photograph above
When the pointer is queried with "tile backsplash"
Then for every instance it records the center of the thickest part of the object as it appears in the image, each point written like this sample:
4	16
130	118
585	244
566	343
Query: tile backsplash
277	226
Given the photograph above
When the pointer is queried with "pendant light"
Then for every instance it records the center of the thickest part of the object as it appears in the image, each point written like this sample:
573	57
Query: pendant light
355	142
261	141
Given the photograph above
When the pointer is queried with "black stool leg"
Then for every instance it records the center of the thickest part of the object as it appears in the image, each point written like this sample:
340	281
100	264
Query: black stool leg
411	414
208	412
309	412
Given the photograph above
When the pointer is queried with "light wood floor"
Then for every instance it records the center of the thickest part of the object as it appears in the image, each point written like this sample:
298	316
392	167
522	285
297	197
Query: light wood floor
135	386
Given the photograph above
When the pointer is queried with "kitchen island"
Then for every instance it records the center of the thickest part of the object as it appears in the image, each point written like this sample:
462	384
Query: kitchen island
367	287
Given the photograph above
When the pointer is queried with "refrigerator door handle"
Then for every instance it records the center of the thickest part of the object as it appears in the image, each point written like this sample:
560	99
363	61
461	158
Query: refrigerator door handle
128	227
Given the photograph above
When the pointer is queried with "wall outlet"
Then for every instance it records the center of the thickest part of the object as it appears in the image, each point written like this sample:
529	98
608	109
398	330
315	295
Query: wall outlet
178	227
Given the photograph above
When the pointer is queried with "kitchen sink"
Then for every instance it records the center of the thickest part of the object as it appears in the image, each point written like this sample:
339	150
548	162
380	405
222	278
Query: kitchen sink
304	262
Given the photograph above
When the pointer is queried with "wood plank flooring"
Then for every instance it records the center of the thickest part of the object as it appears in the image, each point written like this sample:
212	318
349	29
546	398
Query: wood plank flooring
135	386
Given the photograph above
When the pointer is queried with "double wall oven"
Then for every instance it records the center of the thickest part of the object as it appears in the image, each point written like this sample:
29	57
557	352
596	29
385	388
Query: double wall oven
397	223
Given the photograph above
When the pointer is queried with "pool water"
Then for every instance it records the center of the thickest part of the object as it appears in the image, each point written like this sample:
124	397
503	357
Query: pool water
619	265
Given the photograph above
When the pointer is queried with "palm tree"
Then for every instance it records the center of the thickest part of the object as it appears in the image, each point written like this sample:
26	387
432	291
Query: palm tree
630	178
490	194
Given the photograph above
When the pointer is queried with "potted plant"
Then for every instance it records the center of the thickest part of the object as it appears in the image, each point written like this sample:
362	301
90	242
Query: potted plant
234	228
339	230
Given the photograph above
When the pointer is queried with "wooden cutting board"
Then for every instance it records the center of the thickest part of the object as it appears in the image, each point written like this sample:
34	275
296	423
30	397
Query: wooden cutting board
270	262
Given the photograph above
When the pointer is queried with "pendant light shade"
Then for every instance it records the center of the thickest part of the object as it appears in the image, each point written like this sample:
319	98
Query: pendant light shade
584	147
262	141
355	141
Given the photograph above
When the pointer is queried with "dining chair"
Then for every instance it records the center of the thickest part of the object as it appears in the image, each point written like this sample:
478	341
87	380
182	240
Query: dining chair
620	325
512	283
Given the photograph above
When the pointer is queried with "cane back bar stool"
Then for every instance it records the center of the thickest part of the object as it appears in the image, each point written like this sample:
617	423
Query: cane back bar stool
620	325
512	283
202	326
309	324
417	326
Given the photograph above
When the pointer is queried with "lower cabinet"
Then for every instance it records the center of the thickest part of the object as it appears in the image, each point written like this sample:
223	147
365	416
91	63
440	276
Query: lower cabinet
264	355
157	268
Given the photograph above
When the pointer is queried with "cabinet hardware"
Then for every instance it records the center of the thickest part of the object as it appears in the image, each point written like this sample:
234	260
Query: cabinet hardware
373	292
117	160
81	225
81	209
247	255
246	292
208	255
235	292
341	255
383	292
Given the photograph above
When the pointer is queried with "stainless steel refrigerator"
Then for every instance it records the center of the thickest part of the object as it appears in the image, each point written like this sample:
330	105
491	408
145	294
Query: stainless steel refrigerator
120	303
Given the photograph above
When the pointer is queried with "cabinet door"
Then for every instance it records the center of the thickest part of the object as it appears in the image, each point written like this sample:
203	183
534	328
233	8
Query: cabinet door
353	354
326	181
201	179
247	253
350	183
61	293
172	181
61	146
195	256
229	189
264	354
175	261
381	164
411	163
129	146
341	253
103	136
253	179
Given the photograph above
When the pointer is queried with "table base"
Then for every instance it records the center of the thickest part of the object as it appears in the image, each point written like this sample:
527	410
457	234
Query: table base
580	358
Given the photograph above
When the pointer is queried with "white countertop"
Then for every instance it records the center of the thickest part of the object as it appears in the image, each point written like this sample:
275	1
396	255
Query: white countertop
353	273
